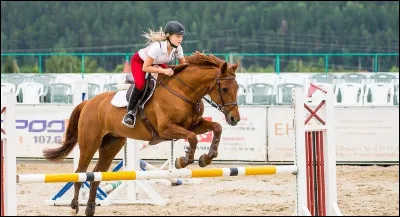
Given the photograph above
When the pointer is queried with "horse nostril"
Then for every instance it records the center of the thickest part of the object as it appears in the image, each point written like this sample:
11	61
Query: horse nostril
232	119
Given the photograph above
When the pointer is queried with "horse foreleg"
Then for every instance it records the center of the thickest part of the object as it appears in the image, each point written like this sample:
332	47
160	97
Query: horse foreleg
206	126
174	131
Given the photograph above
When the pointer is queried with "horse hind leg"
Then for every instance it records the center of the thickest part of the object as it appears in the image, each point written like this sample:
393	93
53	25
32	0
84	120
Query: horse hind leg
108	150
87	150
82	167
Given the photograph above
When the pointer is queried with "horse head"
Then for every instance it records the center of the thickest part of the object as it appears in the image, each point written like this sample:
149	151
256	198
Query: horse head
218	80
224	93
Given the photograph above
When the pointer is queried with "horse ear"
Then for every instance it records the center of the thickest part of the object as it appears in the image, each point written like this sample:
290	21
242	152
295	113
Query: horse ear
224	67
234	67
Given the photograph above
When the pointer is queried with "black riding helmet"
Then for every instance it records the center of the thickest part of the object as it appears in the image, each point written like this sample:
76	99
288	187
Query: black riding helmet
174	27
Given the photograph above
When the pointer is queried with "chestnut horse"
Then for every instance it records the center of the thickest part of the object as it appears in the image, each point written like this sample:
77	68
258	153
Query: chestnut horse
174	111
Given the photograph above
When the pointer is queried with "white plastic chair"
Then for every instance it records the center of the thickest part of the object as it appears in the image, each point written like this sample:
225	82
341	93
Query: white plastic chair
255	79
267	78
261	93
351	78
110	87
115	78
60	93
379	94
284	93
31	92
349	94
70	79
93	90
293	78
7	87
323	78
379	78
100	79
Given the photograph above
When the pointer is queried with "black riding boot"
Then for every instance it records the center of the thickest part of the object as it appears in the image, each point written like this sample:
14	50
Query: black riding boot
130	117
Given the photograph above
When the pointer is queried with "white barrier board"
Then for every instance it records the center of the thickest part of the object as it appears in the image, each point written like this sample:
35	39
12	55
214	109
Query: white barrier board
362	134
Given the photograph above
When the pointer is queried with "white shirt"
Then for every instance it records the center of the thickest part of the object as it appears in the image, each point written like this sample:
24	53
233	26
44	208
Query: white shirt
158	51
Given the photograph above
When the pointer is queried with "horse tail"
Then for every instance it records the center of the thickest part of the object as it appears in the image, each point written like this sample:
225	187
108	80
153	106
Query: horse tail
58	154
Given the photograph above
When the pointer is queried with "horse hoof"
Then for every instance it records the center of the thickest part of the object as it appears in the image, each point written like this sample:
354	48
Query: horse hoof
74	207
202	161
90	208
73	212
177	164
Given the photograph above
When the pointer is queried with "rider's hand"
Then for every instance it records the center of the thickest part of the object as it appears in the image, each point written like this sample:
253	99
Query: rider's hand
168	71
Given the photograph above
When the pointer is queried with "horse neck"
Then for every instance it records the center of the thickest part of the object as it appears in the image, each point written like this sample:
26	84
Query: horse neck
200	82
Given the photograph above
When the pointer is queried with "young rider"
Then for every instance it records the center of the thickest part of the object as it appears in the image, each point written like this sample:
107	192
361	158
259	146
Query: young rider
162	47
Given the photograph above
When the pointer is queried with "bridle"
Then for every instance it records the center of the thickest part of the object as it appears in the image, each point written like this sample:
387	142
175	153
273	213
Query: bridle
221	107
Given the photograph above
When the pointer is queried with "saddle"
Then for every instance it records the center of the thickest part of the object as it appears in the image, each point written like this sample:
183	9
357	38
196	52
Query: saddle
148	89
150	86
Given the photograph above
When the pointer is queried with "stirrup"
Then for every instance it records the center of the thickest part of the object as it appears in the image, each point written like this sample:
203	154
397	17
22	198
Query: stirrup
133	118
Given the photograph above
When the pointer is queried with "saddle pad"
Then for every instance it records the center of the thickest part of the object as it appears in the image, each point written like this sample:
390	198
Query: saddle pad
119	99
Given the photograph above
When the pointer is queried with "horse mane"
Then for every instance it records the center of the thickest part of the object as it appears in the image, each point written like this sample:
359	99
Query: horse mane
202	59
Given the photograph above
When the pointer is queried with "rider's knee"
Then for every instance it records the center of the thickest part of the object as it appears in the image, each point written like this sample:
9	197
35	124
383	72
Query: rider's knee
139	85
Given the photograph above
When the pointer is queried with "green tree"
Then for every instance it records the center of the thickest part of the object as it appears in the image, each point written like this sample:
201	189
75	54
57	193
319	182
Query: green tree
217	27
62	64
8	66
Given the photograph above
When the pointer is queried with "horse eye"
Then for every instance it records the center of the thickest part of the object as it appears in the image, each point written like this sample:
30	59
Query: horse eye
225	89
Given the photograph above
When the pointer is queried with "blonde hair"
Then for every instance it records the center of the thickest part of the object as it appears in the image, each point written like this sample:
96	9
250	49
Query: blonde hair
153	36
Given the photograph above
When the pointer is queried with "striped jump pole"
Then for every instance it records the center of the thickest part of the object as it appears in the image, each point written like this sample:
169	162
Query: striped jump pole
156	174
170	162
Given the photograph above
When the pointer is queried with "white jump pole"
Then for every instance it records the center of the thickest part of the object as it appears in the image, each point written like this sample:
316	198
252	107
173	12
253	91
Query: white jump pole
9	141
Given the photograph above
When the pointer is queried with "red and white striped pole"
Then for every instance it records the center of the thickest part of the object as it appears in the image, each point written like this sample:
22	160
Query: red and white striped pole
315	155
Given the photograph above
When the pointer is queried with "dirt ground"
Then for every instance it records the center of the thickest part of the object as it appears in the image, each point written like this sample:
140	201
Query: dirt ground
362	190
